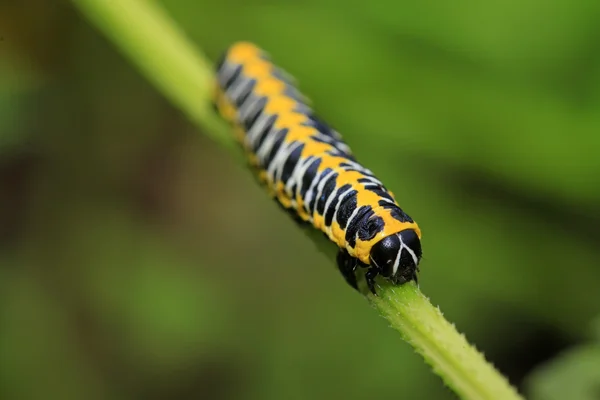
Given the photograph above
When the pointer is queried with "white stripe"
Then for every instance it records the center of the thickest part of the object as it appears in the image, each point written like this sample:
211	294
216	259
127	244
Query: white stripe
259	126
410	251
250	107
276	167
398	256
337	206
240	87
226	72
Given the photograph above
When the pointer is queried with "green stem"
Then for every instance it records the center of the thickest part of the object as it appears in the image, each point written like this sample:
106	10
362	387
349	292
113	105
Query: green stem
459	364
160	50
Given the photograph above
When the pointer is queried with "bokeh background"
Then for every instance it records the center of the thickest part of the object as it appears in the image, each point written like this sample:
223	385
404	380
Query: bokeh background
139	259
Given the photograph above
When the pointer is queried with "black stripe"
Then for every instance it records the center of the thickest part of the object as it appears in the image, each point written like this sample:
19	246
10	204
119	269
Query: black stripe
346	208
276	145
309	176
290	163
258	109
361	218
233	78
313	202
262	136
328	189
370	228
330	212
248	87
395	211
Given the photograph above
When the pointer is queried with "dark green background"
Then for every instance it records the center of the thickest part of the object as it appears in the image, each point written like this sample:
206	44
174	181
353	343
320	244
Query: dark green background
138	260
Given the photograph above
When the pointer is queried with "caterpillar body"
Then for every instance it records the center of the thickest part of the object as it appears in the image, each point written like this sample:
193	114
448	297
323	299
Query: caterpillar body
311	172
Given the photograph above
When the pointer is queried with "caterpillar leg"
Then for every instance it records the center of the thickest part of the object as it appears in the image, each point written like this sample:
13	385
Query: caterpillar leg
347	265
370	277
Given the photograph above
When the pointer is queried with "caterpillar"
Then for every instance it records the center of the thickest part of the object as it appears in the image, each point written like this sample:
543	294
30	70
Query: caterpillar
311	172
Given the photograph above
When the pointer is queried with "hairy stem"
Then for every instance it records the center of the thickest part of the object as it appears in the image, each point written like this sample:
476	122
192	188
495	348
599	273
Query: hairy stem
460	365
142	31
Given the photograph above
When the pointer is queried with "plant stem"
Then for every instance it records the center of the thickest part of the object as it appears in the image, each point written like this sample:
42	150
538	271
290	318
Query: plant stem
160	50
459	364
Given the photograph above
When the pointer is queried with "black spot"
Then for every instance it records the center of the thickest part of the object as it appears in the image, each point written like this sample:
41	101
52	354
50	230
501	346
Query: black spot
372	227
385	204
327	190
264	134
290	163
331	210
361	218
381	192
395	211
346	209
276	145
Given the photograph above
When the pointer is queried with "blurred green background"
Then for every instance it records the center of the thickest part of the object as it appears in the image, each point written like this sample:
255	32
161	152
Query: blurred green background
139	260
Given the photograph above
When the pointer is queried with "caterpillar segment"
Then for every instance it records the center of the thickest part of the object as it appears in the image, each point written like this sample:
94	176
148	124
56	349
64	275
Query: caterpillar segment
311	171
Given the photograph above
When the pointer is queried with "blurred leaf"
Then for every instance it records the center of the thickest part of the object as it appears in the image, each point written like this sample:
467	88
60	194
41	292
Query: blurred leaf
40	353
16	85
160	310
379	89
531	38
574	375
596	328
36	33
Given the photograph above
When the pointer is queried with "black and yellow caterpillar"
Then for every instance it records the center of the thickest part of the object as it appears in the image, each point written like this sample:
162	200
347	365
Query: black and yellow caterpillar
311	172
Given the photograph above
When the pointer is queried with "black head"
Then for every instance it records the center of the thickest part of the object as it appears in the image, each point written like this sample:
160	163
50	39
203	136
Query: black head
397	256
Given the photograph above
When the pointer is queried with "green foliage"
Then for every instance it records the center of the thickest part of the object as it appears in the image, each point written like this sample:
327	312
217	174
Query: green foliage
572	375
13	94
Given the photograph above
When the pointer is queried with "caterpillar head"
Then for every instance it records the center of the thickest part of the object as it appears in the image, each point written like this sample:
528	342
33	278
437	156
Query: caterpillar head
397	256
